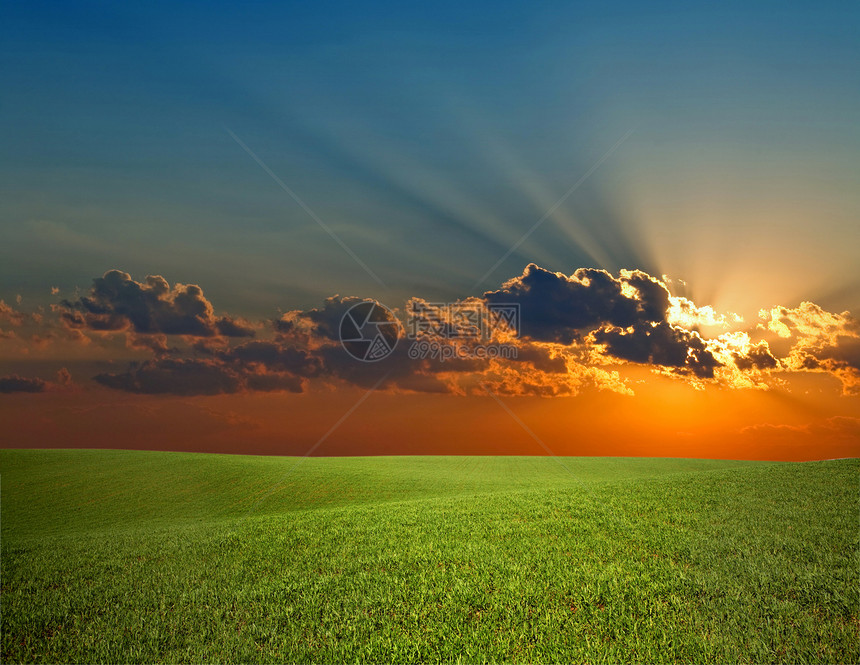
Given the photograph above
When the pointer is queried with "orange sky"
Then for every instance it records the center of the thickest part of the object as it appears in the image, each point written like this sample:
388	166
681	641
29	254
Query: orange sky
668	422
605	365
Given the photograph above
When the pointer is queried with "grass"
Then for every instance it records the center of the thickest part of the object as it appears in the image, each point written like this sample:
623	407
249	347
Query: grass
117	556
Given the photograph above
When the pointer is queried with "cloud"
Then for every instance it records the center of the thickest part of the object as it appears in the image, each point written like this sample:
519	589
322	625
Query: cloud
844	426
822	341
558	308
153	342
260	366
275	357
808	320
536	368
574	332
64	378
625	315
508	379
117	302
10	315
757	356
660	344
175	377
19	384
274	381
322	323
684	312
838	436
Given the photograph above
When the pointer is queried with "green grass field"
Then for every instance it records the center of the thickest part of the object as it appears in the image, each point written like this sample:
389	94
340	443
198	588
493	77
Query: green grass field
117	556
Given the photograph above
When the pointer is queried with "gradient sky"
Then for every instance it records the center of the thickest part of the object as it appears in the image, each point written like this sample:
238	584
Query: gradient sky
714	147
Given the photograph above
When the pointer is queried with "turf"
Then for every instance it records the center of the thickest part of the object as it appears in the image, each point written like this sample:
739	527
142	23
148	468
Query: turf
118	556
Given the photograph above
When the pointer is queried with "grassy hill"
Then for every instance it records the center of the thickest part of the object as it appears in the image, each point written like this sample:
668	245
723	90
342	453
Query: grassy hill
144	556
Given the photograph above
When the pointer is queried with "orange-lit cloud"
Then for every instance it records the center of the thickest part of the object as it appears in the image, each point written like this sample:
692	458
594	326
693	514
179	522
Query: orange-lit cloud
11	316
821	341
684	312
575	332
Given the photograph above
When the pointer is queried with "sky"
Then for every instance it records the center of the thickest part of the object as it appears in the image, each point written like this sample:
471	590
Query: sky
194	195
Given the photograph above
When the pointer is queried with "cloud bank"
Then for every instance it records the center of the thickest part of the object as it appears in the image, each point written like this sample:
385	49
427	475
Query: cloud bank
574	332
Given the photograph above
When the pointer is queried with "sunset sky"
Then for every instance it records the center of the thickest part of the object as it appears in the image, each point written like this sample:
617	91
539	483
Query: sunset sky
193	195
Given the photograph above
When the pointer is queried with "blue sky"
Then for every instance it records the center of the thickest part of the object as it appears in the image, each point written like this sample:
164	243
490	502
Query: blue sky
430	139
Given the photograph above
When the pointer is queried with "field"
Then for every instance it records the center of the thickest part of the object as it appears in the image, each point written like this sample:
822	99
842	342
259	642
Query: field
119	556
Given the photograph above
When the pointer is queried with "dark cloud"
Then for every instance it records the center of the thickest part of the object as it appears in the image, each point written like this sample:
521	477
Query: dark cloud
275	357
155	343
274	381
262	366
117	302
540	358
653	296
20	384
231	328
660	344
323	322
557	308
280	365
396	371
758	357
844	351
175	377
319	330
627	314
841	358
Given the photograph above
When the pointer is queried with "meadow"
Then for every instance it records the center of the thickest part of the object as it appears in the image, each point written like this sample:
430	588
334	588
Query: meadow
123	556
